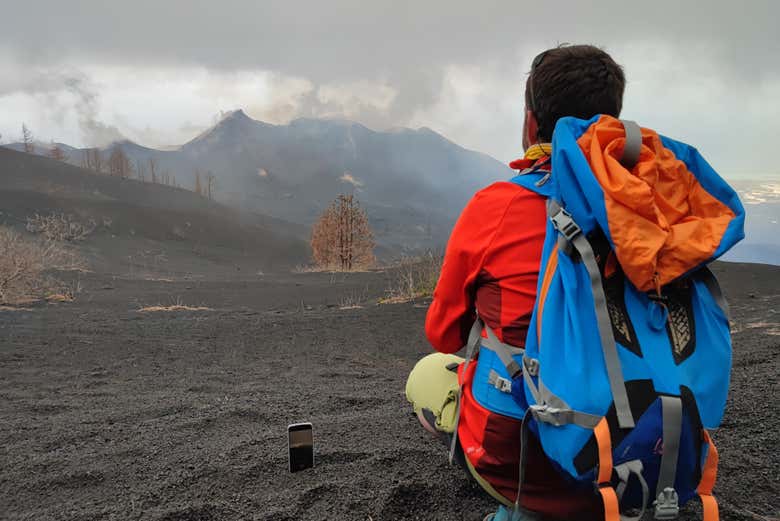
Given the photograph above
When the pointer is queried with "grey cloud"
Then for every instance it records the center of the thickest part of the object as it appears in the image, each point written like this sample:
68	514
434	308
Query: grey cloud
407	45
95	132
48	85
413	90
405	41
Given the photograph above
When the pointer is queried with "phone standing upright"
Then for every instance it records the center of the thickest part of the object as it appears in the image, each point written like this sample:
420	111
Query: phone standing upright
300	442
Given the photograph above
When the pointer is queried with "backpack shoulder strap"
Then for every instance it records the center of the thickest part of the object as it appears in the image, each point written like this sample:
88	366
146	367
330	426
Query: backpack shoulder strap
633	145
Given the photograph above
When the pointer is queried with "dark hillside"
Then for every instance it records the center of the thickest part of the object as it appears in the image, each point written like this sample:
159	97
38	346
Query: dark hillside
134	217
413	183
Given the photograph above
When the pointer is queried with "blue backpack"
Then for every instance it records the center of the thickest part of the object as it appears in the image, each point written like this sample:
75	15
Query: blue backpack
628	355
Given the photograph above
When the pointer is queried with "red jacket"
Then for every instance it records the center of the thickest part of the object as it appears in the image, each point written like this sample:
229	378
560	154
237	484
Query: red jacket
492	265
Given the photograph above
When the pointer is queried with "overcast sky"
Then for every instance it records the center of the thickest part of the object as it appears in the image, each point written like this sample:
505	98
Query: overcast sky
158	72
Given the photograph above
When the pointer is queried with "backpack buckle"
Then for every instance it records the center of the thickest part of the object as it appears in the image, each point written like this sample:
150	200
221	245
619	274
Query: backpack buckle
552	415
544	179
502	384
531	365
564	223
667	506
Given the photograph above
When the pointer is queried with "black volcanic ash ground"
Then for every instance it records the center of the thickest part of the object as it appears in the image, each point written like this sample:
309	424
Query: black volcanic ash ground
109	413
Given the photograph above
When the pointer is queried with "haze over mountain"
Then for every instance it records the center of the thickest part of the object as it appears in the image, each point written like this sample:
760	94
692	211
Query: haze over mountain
413	183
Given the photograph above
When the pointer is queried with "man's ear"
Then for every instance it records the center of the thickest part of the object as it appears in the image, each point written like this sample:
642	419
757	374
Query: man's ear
530	129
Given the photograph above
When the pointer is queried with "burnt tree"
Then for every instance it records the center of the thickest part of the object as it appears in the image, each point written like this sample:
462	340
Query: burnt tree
119	164
198	183
210	182
153	170
57	153
27	140
92	159
342	238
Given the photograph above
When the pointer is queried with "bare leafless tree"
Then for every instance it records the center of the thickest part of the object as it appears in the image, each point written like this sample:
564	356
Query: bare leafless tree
342	237
140	172
198	184
210	184
153	170
56	152
119	164
27	140
92	159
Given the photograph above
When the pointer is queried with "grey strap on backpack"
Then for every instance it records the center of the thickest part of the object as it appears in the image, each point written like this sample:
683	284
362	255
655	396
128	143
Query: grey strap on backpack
472	346
624	472
633	145
571	233
504	351
667	501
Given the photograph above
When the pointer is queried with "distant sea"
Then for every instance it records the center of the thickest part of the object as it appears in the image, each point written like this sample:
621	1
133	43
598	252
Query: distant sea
760	195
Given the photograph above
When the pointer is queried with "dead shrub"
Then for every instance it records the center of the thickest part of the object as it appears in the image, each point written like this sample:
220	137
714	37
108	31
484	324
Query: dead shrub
60	227
172	307
307	268
414	277
175	305
60	297
354	299
28	266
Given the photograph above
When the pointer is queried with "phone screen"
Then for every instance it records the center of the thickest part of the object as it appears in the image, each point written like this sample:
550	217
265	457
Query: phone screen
301	442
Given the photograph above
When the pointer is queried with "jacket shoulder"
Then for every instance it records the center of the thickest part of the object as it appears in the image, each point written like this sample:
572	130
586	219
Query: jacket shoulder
503	192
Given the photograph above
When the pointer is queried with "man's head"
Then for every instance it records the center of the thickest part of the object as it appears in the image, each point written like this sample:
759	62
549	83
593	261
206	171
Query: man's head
570	80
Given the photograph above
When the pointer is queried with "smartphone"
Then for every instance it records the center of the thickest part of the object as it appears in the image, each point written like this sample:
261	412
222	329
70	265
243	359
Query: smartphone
300	441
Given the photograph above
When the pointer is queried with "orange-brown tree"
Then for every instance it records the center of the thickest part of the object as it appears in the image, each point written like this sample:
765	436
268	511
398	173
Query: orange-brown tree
57	153
92	159
198	184
342	238
119	164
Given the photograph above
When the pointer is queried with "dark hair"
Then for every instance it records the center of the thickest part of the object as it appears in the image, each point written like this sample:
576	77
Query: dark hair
573	80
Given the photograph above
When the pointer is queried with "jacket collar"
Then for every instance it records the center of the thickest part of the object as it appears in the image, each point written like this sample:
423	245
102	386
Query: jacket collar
535	155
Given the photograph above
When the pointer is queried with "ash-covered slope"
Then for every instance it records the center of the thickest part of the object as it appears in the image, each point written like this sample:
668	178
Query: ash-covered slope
43	149
412	182
135	218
